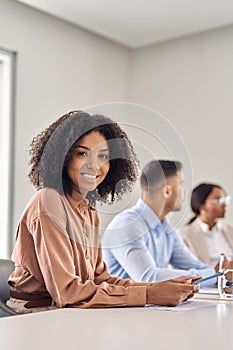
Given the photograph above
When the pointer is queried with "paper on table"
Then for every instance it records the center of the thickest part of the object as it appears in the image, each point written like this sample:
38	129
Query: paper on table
208	290
208	293
185	306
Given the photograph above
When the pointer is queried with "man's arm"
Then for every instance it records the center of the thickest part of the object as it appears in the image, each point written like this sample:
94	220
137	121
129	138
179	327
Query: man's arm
183	258
137	261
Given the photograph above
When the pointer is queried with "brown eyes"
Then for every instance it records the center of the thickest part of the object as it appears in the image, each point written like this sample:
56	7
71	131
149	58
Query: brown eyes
101	156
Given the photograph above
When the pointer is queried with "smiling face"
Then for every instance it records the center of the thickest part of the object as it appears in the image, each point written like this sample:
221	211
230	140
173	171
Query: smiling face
89	163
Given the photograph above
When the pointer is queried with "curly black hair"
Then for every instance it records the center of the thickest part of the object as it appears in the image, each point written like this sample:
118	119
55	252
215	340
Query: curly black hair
51	151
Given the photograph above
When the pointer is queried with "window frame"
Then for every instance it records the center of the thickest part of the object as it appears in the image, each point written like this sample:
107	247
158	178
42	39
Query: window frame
7	112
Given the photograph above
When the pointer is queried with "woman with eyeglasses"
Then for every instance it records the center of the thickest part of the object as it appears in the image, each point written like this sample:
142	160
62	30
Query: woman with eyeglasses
205	234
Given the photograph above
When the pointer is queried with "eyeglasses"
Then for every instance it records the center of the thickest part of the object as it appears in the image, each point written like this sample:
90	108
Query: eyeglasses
220	201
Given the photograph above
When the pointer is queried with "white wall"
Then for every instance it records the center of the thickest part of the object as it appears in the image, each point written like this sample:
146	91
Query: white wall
190	81
59	68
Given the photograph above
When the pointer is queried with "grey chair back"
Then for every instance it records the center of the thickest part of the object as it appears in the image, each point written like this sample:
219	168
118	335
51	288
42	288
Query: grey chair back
6	268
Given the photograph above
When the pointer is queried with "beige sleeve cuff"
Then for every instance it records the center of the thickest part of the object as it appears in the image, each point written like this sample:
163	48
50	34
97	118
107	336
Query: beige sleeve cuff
137	295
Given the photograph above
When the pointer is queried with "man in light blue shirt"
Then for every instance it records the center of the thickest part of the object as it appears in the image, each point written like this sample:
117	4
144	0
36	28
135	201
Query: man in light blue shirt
139	243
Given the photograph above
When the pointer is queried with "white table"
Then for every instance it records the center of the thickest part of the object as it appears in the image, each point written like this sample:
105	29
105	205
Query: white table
120	328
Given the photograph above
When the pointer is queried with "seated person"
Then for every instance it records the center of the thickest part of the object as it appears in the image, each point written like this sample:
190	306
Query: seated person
205	234
75	162
139	242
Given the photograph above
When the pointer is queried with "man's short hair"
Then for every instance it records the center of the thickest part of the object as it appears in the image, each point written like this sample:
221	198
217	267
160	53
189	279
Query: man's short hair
158	170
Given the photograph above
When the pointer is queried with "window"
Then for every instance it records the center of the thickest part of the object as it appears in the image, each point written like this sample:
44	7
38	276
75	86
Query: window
7	73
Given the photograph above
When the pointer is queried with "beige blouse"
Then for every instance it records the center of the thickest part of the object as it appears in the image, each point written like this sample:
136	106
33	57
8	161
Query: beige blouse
58	252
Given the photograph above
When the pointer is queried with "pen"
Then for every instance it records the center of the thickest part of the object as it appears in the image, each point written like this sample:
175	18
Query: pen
209	277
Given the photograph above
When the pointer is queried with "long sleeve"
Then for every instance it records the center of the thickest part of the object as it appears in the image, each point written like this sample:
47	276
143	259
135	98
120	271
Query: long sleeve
137	245
138	262
54	251
57	252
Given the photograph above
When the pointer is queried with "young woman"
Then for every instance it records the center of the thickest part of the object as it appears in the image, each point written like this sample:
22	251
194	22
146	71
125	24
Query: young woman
76	161
205	234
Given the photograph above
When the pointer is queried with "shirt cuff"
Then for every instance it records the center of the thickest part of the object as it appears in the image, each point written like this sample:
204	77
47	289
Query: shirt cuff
137	296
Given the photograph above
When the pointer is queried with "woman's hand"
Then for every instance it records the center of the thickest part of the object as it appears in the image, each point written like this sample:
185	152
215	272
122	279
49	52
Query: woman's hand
172	292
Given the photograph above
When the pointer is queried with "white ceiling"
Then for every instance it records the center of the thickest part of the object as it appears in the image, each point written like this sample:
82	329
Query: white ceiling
136	23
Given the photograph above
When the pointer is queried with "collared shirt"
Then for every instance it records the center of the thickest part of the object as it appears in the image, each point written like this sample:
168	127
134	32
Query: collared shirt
58	252
215	241
138	245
